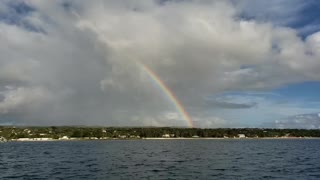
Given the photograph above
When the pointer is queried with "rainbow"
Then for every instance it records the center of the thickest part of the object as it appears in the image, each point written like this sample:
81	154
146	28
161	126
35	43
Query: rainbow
168	93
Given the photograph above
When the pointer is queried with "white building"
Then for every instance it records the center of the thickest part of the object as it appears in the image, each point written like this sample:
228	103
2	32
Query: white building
241	135
122	136
166	135
64	138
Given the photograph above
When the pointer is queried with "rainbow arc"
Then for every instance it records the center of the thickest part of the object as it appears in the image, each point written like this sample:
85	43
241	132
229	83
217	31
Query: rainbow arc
158	81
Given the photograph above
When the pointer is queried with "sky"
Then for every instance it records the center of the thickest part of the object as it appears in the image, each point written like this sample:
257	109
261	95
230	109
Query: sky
232	63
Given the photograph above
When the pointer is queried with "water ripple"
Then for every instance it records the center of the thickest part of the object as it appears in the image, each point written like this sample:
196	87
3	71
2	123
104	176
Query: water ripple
161	159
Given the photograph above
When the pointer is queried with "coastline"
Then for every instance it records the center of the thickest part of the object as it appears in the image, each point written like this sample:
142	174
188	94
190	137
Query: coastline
151	138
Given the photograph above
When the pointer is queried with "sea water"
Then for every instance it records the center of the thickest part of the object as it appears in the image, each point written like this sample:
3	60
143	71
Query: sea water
162	159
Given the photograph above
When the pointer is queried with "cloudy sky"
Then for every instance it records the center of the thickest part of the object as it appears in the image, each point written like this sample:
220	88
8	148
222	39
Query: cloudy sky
236	63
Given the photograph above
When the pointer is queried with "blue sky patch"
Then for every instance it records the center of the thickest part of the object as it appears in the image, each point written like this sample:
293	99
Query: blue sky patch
15	15
298	14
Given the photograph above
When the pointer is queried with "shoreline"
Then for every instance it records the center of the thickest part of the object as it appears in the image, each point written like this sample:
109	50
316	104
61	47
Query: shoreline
150	138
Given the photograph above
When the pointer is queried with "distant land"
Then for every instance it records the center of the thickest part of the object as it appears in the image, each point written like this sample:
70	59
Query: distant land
10	133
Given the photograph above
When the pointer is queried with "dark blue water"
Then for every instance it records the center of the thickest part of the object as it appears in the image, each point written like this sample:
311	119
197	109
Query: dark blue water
161	159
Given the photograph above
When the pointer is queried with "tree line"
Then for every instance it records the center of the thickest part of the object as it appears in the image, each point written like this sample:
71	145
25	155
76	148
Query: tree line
143	132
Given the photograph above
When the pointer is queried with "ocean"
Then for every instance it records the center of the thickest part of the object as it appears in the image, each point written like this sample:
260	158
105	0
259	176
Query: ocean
162	159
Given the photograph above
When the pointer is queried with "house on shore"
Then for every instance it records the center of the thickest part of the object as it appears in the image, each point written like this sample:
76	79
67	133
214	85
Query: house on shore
241	136
166	136
64	138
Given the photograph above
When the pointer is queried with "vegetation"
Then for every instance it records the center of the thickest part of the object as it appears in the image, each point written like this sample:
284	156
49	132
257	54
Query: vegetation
116	132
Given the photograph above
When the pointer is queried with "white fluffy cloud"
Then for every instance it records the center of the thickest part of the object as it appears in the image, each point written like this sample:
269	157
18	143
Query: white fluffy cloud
86	55
304	121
